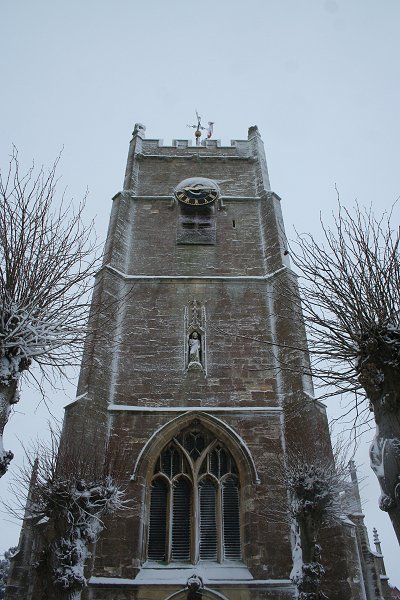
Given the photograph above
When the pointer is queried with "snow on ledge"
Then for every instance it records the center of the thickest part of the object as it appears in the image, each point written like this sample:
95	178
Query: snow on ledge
209	572
160	581
347	521
127	277
80	397
111	581
131	408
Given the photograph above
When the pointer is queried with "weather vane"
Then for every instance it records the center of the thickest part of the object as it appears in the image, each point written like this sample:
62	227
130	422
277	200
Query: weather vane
199	128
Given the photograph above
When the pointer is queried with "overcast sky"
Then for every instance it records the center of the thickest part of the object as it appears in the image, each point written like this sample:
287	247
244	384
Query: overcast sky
320	78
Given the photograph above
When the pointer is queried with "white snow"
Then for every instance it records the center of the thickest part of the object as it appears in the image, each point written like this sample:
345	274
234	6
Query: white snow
376	455
191	278
207	571
82	504
130	408
183	576
297	553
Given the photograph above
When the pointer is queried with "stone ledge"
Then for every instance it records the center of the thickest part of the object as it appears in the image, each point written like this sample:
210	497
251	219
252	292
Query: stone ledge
284	584
227	157
194	278
184	409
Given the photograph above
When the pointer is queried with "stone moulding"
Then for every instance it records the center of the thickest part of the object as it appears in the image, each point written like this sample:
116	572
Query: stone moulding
167	197
207	157
194	278
284	584
185	409
174	425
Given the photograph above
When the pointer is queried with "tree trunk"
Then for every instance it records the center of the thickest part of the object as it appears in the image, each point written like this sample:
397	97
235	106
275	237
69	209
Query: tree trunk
308	535
383	390
312	569
8	397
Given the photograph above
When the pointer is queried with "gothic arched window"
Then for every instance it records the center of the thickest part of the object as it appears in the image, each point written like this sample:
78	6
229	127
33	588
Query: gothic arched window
194	506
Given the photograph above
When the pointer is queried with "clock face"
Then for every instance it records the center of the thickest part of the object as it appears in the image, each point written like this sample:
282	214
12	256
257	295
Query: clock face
197	191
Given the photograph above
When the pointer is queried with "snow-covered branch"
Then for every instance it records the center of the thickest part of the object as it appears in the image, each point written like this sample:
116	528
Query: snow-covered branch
350	287
68	496
46	266
320	493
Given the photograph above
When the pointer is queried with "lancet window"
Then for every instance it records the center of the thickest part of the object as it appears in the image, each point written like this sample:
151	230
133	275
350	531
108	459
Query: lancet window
194	508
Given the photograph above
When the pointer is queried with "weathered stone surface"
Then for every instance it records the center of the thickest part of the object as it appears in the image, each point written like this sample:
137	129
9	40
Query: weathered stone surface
135	392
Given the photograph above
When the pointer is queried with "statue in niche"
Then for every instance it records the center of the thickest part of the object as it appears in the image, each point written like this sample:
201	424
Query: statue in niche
194	349
194	339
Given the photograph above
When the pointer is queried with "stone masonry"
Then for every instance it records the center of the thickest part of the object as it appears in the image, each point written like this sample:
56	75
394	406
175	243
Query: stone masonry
251	392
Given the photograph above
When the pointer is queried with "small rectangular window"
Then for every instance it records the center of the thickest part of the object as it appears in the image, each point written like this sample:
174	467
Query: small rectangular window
196	225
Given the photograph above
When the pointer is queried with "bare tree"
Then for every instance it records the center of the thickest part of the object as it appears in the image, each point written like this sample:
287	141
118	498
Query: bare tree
46	264
69	493
350	289
320	493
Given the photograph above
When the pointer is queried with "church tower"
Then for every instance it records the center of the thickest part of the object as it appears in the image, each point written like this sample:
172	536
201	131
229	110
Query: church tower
194	383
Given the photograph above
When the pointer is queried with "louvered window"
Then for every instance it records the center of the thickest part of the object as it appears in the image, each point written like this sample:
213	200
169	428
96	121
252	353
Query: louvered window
181	519
196	225
158	523
208	522
230	511
194	507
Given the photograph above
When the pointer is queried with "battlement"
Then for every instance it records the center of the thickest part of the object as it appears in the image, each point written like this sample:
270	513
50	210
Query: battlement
249	154
238	148
156	146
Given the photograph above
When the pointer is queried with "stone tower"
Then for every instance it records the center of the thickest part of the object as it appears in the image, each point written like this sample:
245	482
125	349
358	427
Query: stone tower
194	384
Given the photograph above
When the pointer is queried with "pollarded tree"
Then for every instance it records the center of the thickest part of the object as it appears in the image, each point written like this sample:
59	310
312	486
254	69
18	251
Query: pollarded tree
350	288
69	493
320	493
46	264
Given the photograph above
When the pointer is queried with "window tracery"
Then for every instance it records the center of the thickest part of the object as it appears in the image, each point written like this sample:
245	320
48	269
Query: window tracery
194	507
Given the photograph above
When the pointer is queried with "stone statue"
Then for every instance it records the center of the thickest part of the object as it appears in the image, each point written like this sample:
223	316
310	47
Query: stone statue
194	348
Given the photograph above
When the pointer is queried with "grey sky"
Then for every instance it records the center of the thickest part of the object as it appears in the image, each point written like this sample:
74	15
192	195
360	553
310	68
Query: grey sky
319	77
